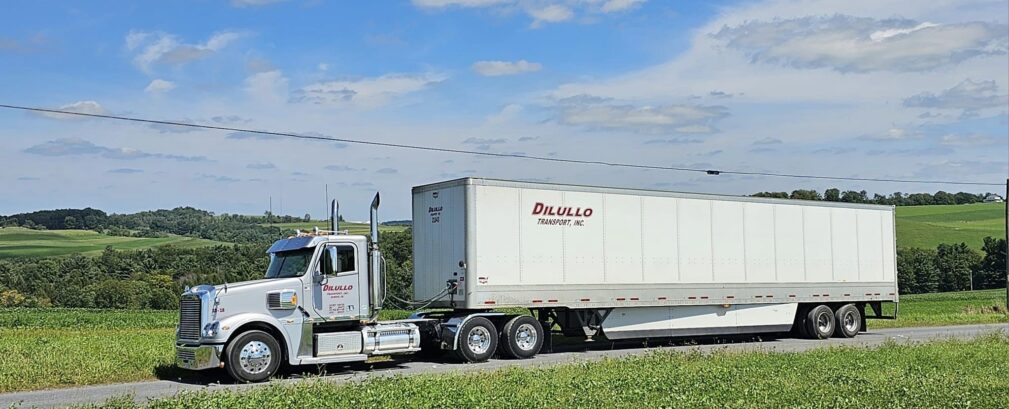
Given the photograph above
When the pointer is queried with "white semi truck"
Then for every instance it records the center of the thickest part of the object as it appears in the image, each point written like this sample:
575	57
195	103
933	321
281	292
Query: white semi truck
583	261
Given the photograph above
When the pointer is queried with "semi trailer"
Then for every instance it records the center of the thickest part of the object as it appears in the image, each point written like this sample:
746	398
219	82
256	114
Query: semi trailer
582	261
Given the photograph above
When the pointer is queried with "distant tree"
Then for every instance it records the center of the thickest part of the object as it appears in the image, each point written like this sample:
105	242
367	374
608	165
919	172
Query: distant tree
70	222
852	196
992	272
957	264
803	194
943	198
966	198
916	271
832	195
919	199
776	195
307	217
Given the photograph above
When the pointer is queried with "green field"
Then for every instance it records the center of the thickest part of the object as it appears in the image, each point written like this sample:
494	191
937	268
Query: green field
927	226
352	228
20	242
941	374
120	345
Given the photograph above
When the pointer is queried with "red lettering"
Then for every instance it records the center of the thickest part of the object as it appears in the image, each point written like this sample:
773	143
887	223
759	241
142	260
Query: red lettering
588	212
538	208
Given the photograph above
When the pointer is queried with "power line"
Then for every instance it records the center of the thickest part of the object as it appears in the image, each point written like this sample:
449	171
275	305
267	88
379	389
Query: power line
491	154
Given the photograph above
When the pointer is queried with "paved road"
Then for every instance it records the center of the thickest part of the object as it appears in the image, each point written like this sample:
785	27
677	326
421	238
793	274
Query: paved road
142	391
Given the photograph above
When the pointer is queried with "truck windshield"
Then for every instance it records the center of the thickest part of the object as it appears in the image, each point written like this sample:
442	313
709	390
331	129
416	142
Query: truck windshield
289	263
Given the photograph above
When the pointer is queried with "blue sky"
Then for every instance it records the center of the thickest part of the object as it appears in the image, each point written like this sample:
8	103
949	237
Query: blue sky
898	89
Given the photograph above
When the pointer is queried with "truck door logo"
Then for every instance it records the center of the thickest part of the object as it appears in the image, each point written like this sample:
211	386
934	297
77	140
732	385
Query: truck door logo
435	213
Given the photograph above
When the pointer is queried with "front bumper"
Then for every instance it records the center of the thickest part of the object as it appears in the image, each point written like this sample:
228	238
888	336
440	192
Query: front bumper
198	357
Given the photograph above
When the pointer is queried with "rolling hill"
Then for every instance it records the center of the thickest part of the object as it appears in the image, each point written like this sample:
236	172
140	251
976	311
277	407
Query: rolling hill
927	226
21	242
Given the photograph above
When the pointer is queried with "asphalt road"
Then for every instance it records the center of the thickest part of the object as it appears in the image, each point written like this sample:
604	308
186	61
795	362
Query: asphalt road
142	391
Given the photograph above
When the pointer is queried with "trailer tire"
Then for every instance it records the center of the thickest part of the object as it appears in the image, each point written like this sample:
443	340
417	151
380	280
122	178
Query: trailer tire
261	353
849	321
478	340
521	337
820	322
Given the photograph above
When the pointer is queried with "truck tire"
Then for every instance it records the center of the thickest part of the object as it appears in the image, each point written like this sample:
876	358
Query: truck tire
849	321
521	337
820	322
477	340
253	356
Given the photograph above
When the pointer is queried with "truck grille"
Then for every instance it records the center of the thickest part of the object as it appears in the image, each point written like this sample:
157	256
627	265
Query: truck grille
186	355
189	318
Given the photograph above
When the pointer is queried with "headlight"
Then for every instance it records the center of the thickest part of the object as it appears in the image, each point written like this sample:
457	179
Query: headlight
211	329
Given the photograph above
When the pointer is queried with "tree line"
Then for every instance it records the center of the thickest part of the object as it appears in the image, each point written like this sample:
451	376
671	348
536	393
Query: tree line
893	199
952	267
154	278
182	221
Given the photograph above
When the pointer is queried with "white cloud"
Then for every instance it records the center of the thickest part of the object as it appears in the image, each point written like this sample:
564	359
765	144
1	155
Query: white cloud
541	11
159	86
84	107
366	92
498	68
162	48
553	13
268	86
613	6
862	44
600	113
508	113
969	96
82	147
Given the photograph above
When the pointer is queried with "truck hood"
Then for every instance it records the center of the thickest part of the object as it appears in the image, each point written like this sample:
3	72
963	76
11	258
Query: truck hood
241	285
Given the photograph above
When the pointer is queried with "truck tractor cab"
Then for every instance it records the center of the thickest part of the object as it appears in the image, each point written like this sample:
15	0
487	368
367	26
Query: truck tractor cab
317	303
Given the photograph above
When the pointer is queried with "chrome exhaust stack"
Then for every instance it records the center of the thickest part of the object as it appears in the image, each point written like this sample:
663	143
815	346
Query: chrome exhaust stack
334	216
377	273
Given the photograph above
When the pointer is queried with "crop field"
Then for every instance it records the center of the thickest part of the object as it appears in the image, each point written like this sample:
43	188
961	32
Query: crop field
352	228
927	226
20	242
120	345
941	374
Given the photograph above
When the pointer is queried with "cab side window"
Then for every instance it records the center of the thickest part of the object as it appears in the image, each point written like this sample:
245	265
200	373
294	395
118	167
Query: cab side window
345	259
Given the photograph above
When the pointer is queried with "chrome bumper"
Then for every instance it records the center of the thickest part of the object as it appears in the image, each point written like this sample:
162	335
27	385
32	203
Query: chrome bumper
198	357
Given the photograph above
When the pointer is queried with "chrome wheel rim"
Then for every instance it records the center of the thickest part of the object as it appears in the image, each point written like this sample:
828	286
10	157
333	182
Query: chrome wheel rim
525	337
255	357
850	324
823	322
478	340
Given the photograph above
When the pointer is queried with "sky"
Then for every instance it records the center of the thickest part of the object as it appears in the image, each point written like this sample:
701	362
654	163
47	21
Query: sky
856	88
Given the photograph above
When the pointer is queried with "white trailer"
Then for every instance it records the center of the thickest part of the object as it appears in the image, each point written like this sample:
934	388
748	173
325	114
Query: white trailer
583	261
639	263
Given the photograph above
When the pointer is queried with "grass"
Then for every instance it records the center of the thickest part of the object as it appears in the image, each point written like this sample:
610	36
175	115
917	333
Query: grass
943	374
52	348
352	228
21	242
955	308
927	226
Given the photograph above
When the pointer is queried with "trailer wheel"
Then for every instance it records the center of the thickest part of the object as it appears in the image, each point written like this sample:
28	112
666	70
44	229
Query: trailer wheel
253	356
820	322
849	321
521	337
477	340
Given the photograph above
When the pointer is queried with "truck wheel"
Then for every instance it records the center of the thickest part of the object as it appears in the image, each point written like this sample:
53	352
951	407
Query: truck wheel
521	337
820	322
253	356
477	340
849	321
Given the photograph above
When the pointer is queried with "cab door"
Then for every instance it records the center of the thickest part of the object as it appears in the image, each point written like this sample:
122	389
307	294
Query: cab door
336	296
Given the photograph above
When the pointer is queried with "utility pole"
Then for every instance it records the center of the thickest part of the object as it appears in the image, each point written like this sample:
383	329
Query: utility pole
327	200
1005	202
